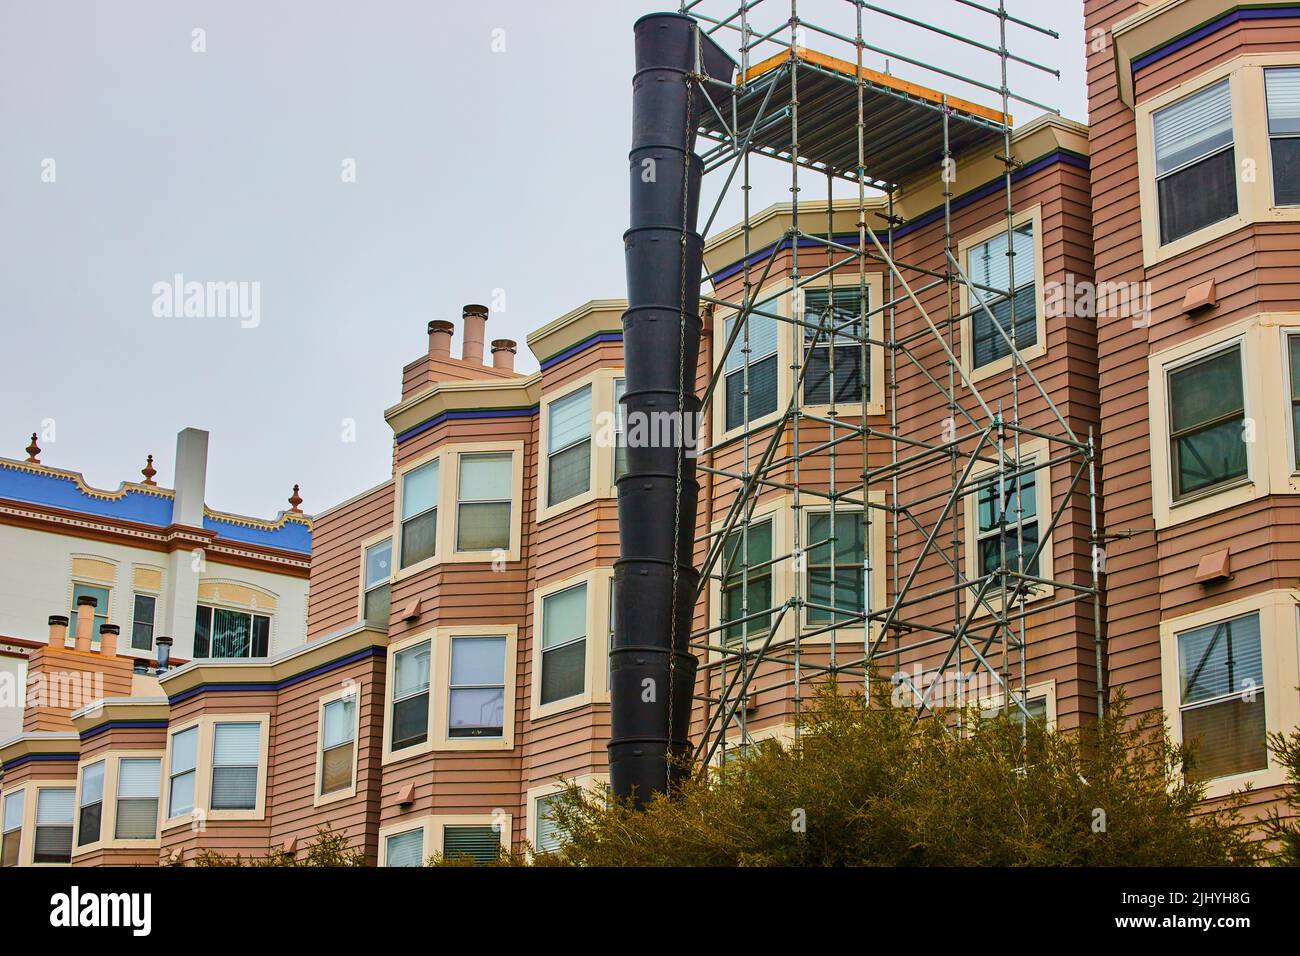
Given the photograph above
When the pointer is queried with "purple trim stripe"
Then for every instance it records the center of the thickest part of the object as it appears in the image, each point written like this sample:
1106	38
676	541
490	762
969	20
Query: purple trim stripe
470	413
581	347
43	758
1213	26
279	685
121	724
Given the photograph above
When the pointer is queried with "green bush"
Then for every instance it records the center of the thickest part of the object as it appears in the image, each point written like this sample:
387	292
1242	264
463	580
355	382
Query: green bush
329	849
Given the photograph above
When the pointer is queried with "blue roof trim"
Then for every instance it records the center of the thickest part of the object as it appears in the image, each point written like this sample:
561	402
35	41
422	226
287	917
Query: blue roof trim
468	413
1213	26
246	687
41	758
290	536
62	491
925	219
581	347
123	724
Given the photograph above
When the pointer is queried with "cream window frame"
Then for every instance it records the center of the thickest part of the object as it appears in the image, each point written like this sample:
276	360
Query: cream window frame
423	824
351	692
1030	214
1280	650
1045	689
365	546
600	478
591	782
502	822
27	835
875	354
33	788
780	290
108	812
444	550
876	554
1250	141
776	508
596	674
202	812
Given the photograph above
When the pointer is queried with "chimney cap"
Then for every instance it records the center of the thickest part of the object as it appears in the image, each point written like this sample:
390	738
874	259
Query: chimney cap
475	309
504	345
87	599
58	619
162	641
441	325
109	629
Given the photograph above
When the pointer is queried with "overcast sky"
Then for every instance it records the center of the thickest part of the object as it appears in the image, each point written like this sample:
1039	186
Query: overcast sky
477	169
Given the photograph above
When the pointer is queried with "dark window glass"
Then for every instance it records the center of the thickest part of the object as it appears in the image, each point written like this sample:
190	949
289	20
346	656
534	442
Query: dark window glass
760	581
142	623
1206	415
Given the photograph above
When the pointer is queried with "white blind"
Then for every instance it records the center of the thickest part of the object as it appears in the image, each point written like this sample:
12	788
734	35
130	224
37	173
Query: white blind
92	784
406	849
14	810
185	746
420	490
762	336
485	477
1193	127
549	835
54	807
1283	89
338	722
570	419
1220	659
564	616
988	264
138	777
411	671
236	745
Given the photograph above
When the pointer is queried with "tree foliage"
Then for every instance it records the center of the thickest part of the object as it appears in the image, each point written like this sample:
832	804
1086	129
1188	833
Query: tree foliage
329	849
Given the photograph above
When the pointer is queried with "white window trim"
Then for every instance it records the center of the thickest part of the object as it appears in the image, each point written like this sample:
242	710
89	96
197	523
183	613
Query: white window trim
590	782
351	692
33	788
203	771
876	553
362	590
875	355
1045	689
25	835
596	675
108	839
431	826
603	412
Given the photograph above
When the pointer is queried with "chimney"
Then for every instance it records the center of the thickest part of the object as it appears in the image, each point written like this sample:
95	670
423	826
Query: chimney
163	651
475	319
191	477
503	354
58	630
440	332
108	639
85	621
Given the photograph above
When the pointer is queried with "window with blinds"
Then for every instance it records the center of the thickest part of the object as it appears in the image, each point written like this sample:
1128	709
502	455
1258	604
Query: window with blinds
379	569
142	622
1196	180
550	836
762	372
1207	411
410	720
419	513
620	429
223	633
138	786
833	375
483	507
477	692
54	812
405	849
338	732
182	770
564	644
990	268
757	555
12	833
1282	90
1015	505
568	447
91	811
836	577
1221	688
482	844
236	752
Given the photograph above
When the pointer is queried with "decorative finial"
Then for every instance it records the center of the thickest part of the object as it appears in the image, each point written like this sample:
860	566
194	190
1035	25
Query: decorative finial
32	451
295	500
149	471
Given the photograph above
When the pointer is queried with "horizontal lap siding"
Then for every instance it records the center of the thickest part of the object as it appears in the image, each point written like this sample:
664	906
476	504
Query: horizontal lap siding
334	590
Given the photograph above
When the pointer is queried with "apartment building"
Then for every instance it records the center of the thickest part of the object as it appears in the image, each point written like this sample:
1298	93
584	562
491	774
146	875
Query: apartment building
455	667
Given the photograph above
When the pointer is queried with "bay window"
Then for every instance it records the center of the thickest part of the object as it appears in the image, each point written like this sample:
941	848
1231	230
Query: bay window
236	755
419	513
568	447
483	509
136	809
1195	160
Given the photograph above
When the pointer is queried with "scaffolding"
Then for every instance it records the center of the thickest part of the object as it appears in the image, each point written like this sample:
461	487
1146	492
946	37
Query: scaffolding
841	121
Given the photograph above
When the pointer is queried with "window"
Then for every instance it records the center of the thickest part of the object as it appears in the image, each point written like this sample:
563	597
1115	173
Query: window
54	825
482	844
844	382
1207	410
620	429
1293	362
989	266
568	444
1037	707
13	828
222	633
419	513
236	753
338	729
1221	687
1014	503
142	622
405	849
564	644
182	771
848	595
92	804
101	607
410	696
550	836
136	811
1196	181
1282	90
759	556
762	367
379	569
477	690
483	512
